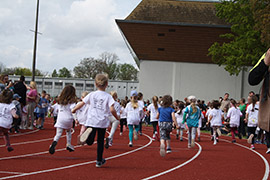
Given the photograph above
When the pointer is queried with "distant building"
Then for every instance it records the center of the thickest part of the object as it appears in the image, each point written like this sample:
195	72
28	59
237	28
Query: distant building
55	85
169	40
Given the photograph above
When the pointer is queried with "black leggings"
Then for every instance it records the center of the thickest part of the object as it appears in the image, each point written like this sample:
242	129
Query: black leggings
267	139
100	141
154	123
122	123
252	130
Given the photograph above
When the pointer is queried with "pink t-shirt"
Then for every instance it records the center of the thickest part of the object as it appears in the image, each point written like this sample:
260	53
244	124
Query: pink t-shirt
32	93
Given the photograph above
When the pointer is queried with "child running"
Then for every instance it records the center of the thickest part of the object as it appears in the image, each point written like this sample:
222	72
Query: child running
153	109
101	104
7	113
123	116
252	120
234	115
216	117
134	115
179	118
81	117
114	122
166	118
192	115
67	100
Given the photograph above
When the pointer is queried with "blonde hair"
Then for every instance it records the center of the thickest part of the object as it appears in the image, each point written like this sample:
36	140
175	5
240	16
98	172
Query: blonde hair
85	93
101	80
113	94
155	101
134	101
33	85
192	100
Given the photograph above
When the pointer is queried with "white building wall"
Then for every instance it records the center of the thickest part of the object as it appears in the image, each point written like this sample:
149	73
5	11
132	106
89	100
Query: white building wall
205	81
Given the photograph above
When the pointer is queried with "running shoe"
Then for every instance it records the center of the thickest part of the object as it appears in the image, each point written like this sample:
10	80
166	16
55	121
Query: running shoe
9	149
268	151
130	144
85	135
181	139
252	146
162	150
234	141
100	163
70	148
110	142
192	142
215	142
107	143
249	140
189	146
169	150
52	147
135	135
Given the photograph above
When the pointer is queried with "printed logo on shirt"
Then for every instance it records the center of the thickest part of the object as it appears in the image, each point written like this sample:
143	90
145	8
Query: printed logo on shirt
98	103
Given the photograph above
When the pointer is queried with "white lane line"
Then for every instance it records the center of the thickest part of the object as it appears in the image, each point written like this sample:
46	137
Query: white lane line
35	141
79	164
7	172
266	173
179	166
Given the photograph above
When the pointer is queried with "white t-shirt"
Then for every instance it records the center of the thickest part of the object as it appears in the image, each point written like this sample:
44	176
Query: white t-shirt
208	112
117	108
234	115
6	118
133	115
65	118
179	119
216	115
123	114
252	116
55	109
154	111
82	114
99	109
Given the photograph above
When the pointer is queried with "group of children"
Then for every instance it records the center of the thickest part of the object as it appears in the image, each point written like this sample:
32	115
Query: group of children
97	110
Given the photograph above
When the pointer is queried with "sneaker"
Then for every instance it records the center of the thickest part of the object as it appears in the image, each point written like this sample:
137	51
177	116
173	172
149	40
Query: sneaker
189	146
249	140
252	146
107	143
181	139
192	142
130	144
52	147
217	139
121	134
169	150
70	148
135	135
162	150
41	128
9	149
100	163
215	142
234	141
110	142
240	136
85	135
218	132
31	128
268	151
212	138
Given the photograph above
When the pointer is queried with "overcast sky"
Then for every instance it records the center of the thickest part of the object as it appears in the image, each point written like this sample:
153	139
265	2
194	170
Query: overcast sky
71	30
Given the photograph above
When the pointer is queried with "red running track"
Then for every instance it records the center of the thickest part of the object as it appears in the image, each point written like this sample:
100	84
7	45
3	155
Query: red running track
31	160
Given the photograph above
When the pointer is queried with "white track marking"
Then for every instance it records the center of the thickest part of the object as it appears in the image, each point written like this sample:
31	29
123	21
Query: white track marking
179	166
7	172
79	164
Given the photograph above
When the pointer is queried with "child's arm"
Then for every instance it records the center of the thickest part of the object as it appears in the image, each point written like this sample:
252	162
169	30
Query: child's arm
184	118
174	120
209	120
157	116
113	111
13	112
78	106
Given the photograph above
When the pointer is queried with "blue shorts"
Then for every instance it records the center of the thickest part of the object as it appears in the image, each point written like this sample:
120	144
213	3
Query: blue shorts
40	115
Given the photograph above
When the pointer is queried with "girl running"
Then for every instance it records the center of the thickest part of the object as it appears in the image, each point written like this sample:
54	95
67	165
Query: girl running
101	104
216	117
179	118
153	109
192	115
7	113
123	116
252	120
114	122
234	115
134	115
166	118
67	101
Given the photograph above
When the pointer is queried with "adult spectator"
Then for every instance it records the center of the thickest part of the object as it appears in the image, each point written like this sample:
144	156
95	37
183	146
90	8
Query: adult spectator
4	82
31	100
243	125
225	103
20	89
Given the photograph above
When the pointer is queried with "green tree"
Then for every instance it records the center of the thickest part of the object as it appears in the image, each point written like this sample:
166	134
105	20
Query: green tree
127	72
21	71
243	45
110	64
54	74
64	72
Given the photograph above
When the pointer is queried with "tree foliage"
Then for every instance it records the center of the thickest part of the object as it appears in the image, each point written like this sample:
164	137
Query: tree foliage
127	72
110	64
243	45
64	72
21	71
54	74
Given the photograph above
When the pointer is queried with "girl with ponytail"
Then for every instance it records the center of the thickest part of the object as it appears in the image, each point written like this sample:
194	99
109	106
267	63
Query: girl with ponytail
153	109
234	115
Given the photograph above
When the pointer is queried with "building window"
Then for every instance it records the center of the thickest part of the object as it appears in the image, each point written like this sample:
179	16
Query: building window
172	30
58	85
90	87
79	85
161	49
48	84
68	83
119	87
161	34
124	87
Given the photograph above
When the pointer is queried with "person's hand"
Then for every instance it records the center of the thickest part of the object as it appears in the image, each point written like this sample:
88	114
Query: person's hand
267	58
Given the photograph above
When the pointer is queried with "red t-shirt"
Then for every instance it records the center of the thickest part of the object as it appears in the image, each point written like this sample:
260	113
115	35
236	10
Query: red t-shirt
32	93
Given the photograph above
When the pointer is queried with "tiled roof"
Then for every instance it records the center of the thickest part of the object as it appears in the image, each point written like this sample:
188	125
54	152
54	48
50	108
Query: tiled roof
176	11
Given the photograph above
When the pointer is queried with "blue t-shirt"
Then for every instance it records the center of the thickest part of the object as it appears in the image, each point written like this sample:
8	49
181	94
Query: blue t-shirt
165	114
192	118
43	103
